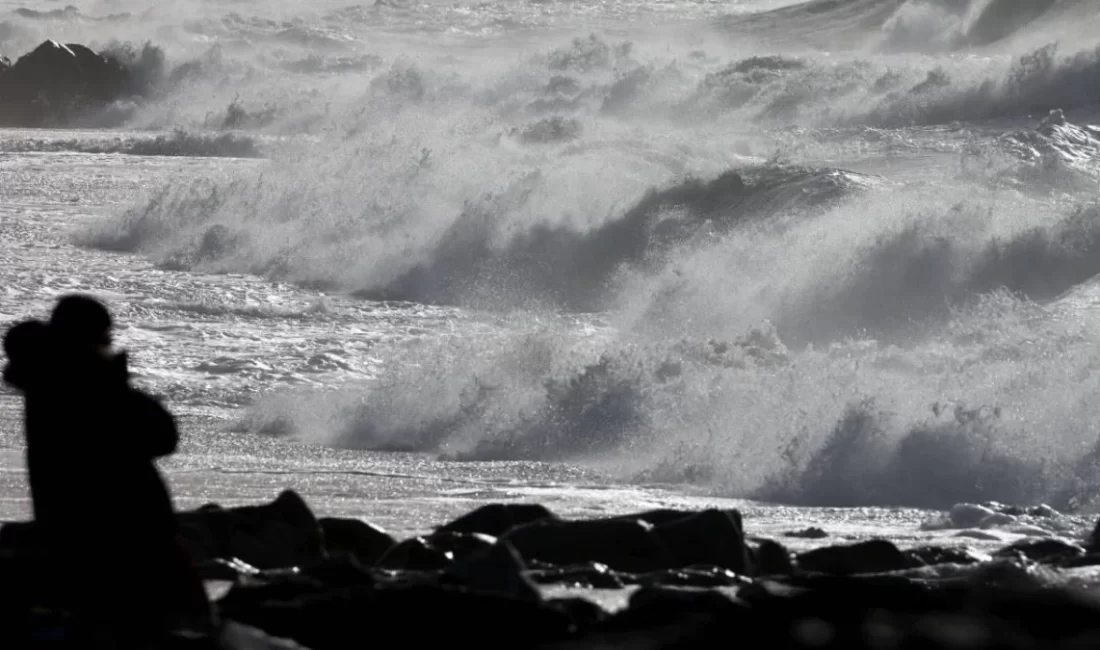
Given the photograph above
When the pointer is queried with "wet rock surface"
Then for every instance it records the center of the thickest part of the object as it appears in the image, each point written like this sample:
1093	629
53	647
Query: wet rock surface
296	580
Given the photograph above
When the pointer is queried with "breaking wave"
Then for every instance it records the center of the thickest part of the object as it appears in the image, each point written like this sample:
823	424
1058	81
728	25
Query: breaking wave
999	409
853	279
486	251
307	75
909	25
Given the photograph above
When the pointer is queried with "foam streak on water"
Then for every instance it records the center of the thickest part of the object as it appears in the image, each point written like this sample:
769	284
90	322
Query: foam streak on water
610	254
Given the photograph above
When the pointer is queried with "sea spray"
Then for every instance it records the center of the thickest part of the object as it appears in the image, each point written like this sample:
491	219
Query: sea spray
933	312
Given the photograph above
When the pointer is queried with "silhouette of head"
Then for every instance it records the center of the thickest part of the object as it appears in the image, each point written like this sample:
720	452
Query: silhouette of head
80	320
24	340
25	343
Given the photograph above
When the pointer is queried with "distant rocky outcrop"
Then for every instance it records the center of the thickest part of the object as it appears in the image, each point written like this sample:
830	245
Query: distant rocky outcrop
57	82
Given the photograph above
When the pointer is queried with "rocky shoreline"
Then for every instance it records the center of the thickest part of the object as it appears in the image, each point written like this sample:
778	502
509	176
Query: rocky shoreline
697	581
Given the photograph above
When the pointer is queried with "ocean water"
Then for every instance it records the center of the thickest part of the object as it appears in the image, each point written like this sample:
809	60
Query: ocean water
832	262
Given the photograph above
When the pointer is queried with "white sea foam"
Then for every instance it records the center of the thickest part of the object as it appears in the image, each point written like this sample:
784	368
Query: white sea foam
692	255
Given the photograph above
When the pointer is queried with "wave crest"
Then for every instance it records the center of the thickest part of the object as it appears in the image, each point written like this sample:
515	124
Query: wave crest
854	424
953	457
485	254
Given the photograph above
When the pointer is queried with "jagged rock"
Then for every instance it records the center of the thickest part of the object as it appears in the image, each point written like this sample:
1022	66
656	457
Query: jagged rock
874	556
639	542
359	539
713	537
434	552
808	533
772	558
656	517
497	518
279	534
55	82
481	592
498	569
415	554
460	545
622	544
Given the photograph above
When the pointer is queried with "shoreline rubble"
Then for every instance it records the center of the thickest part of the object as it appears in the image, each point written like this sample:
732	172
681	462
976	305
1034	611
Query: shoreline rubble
322	583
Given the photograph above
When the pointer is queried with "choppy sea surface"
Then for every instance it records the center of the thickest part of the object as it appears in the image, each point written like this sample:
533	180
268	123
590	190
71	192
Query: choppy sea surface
831	262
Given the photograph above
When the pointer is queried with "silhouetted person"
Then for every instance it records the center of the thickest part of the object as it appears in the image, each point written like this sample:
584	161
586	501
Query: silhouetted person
102	510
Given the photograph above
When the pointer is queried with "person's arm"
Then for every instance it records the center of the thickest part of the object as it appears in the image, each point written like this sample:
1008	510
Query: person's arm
152	427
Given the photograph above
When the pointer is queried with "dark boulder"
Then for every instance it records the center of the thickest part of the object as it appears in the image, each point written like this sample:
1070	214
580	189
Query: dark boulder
455	588
359	539
874	556
622	544
1046	551
55	82
102	78
807	533
497	569
419	615
283	533
654	540
415	554
461	545
712	537
497	518
658	516
340	571
280	534
770	558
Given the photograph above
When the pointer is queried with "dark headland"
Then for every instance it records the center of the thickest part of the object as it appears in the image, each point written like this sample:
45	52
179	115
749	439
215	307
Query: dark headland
58	82
696	579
